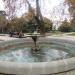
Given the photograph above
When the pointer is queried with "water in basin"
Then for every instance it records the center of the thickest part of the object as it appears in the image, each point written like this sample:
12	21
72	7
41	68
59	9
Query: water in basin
48	52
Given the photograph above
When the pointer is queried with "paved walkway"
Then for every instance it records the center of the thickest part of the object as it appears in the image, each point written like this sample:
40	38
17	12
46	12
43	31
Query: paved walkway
6	37
62	37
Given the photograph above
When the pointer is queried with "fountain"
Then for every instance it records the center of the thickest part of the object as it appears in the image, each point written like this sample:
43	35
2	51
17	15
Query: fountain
53	56
34	37
56	56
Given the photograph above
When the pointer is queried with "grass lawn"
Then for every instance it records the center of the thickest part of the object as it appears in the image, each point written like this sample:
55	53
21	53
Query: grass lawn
71	34
55	33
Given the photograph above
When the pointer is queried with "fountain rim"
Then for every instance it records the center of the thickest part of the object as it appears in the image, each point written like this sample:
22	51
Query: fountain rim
52	67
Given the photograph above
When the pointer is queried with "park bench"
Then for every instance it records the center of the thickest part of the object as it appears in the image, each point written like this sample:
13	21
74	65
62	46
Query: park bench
16	34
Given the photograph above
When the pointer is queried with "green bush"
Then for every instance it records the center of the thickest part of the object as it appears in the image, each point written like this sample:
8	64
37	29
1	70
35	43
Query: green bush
48	24
65	26
73	24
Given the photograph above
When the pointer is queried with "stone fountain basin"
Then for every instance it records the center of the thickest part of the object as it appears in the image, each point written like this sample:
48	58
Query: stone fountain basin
63	67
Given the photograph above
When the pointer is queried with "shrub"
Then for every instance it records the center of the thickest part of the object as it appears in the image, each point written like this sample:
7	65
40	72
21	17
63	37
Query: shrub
65	26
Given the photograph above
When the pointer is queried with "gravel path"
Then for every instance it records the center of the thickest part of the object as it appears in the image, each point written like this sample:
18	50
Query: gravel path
6	37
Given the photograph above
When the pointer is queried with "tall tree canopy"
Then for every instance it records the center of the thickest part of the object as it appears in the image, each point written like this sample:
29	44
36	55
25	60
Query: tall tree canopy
71	4
11	6
3	23
65	26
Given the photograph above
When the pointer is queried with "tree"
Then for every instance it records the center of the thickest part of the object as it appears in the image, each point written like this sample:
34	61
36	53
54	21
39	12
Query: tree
17	24
30	20
65	26
3	23
73	24
71	4
47	24
11	6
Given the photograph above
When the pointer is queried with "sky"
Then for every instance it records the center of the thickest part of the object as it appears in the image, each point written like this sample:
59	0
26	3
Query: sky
49	9
46	6
1	5
49	4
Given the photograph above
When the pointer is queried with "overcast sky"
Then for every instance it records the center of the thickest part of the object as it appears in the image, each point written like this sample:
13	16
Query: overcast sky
47	7
1	5
47	4
51	9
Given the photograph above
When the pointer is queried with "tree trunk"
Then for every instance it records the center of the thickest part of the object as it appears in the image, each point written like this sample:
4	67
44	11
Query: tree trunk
39	18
